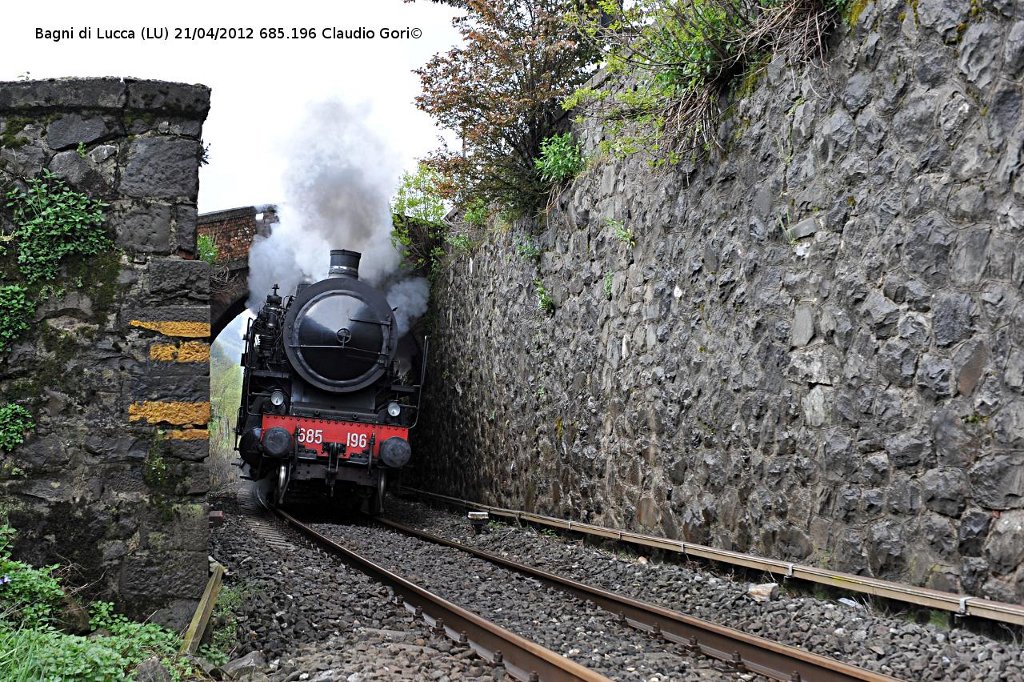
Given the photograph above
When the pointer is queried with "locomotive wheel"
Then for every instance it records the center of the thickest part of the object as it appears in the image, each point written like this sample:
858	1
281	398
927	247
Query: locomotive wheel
377	496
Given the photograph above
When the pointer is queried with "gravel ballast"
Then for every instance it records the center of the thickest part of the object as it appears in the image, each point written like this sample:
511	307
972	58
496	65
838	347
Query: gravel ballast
315	619
575	628
850	633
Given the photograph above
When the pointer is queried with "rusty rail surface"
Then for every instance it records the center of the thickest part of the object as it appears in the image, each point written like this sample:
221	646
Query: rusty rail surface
739	649
523	660
959	604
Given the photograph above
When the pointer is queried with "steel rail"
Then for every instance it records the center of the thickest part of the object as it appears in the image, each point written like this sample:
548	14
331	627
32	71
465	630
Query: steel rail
524	660
959	604
739	649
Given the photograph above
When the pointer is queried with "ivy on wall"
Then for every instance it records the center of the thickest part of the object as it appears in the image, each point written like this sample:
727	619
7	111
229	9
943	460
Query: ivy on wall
49	224
15	420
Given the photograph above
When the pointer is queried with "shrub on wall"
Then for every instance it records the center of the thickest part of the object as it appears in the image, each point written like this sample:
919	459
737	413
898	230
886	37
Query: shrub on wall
500	91
683	55
560	158
418	196
206	248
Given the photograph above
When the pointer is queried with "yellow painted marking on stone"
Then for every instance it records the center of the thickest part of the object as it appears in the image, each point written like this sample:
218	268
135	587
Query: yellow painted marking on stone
190	351
163	352
194	351
181	414
193	330
189	434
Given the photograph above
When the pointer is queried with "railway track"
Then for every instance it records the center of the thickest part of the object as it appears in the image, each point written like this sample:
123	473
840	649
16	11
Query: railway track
740	650
522	659
527	660
958	604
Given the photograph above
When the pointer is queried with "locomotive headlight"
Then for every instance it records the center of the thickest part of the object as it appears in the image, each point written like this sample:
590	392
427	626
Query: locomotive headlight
277	398
394	409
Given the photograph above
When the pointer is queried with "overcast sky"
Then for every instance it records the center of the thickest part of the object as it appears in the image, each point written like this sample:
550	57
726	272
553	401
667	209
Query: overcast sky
261	87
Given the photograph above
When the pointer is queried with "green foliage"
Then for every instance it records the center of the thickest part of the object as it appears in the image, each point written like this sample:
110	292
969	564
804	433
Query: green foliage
32	649
32	594
527	249
499	91
544	300
15	420
560	158
606	286
420	242
44	653
418	196
224	637
80	149
621	232
135	641
47	654
476	213
683	55
459	242
206	247
52	221
16	309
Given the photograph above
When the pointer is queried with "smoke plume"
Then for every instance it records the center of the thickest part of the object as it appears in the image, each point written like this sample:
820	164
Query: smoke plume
338	182
409	297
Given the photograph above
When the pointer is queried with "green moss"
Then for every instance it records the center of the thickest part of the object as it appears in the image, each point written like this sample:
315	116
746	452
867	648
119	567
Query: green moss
156	472
165	477
10	138
133	118
98	276
752	75
156	476
913	7
49	369
854	10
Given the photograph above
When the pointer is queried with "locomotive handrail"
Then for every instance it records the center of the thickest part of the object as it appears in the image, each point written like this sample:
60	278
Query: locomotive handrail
323	345
423	379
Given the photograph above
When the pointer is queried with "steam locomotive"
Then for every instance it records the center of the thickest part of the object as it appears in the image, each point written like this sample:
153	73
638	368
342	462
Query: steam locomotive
329	390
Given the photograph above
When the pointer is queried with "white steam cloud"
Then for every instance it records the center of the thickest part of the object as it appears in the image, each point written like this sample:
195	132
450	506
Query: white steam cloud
337	184
409	298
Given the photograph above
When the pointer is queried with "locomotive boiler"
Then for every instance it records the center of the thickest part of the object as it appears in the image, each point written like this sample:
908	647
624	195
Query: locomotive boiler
329	390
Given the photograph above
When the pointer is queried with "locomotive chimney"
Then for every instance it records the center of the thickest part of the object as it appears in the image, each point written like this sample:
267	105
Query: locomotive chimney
344	264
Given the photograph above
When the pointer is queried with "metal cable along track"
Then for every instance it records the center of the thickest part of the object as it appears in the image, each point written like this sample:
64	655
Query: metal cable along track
959	604
743	651
524	660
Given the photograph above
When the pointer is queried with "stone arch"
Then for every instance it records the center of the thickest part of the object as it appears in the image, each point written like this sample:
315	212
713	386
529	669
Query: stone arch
233	232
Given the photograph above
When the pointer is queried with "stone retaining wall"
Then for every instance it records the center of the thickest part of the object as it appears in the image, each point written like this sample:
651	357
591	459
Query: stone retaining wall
815	348
115	369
